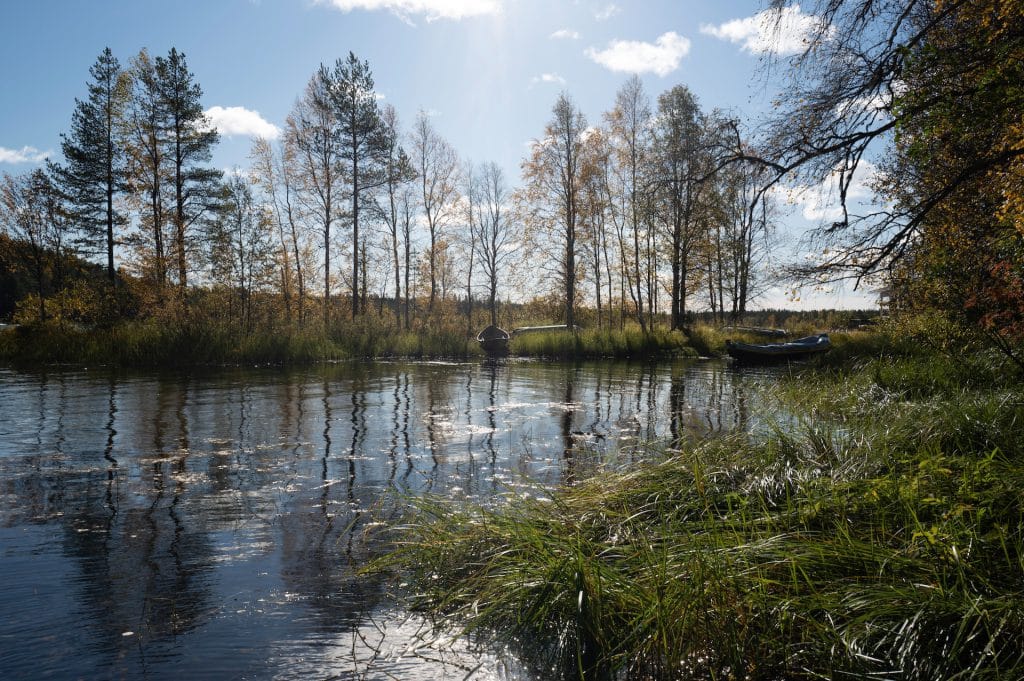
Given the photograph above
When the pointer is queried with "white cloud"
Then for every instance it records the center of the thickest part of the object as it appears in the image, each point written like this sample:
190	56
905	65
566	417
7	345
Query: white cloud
661	57
23	155
431	10
820	202
549	78
565	34
879	103
237	120
770	31
607	12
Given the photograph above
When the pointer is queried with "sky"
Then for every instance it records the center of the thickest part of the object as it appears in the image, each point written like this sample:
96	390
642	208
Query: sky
487	71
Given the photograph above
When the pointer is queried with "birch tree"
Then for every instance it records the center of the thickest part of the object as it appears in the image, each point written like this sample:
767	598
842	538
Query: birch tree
275	173
398	174
312	144
629	123
437	165
552	176
148	172
678	165
495	241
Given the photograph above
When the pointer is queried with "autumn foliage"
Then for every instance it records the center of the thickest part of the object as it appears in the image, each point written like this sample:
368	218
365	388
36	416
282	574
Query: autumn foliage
962	153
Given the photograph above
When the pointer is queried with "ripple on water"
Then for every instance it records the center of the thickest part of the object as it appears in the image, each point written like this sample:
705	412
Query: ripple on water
166	526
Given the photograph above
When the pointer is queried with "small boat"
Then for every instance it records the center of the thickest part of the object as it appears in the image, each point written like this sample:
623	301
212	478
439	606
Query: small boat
493	341
801	348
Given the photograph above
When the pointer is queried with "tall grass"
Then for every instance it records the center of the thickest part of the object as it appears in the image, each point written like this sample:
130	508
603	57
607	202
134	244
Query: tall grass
601	343
881	537
198	343
184	339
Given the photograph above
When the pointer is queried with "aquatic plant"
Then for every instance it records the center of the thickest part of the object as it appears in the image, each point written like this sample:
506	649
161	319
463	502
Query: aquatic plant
882	535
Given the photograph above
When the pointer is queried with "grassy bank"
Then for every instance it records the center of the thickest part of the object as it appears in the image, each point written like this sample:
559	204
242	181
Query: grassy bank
881	538
144	344
192	342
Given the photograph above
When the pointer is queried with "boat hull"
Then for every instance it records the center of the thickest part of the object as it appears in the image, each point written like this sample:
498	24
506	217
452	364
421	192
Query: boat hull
495	346
803	348
494	341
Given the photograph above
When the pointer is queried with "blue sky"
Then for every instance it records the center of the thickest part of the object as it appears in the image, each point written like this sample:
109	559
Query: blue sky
488	71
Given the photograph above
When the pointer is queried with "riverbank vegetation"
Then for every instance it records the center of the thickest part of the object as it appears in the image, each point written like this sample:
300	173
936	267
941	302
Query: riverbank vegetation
351	235
74	317
880	533
201	342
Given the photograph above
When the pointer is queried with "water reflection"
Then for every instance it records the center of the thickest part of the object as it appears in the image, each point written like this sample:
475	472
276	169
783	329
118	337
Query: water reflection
212	524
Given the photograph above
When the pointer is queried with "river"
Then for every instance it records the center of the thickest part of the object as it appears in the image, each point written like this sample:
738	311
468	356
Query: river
211	524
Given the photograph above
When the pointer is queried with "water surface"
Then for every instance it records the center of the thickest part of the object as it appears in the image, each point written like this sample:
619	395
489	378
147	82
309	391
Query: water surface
210	525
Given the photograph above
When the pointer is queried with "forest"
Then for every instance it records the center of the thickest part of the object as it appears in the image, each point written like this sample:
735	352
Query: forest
655	212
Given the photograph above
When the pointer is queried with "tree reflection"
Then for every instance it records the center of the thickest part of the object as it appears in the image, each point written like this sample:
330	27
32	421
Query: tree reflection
171	495
143	568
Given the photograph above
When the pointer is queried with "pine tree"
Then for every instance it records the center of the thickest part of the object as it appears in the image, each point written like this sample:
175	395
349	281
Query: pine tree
363	141
190	142
95	168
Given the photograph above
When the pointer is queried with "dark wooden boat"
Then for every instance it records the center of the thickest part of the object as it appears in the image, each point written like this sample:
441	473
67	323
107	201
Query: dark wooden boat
493	341
756	353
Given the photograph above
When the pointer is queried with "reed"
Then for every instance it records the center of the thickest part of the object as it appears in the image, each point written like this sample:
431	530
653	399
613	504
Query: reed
188	342
629	342
706	340
881	536
191	340
151	343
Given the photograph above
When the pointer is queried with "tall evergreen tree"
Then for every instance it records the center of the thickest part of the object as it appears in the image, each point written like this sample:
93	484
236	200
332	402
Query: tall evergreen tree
363	141
190	142
94	169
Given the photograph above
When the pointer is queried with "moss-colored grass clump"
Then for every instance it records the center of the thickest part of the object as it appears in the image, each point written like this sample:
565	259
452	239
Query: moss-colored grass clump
883	537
